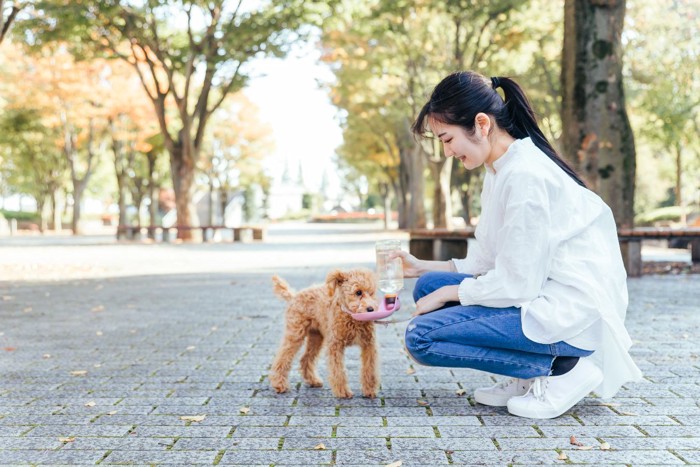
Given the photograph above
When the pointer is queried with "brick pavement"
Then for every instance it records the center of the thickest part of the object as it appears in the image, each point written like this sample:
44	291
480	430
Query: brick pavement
100	366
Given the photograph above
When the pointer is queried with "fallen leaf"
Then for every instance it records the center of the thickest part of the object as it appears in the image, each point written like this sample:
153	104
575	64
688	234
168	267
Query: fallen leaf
113	412
395	464
320	447
90	404
244	410
410	371
584	448
66	440
575	442
562	456
99	333
7	298
214	328
191	347
9	349
629	414
604	446
193	418
27	310
78	372
421	402
460	392
97	365
98	308
46	355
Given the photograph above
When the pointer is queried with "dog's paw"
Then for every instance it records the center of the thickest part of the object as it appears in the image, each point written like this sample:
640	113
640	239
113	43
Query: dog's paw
280	386
369	394
343	393
315	383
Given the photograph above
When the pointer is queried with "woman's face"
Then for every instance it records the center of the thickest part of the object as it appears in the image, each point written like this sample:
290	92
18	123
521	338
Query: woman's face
472	151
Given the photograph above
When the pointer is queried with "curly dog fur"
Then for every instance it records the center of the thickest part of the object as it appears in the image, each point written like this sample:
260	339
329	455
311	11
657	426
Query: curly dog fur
319	314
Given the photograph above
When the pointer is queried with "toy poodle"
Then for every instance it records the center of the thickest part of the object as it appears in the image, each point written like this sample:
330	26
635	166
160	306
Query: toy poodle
321	315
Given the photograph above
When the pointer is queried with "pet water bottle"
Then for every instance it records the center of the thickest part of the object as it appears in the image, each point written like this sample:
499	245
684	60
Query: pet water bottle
389	271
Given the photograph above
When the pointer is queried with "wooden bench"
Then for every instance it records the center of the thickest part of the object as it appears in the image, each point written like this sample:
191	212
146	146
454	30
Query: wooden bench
442	244
631	244
439	244
242	234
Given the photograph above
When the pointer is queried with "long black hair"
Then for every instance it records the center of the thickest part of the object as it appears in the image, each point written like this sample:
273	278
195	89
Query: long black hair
460	96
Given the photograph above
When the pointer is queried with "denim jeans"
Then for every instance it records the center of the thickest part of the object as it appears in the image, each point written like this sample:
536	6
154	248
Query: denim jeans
478	337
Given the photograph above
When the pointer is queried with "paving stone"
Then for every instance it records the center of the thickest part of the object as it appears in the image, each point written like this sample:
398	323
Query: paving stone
249	457
162	457
598	457
386	457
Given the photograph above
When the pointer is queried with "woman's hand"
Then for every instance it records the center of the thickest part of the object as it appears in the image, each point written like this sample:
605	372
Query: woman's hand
437	299
412	266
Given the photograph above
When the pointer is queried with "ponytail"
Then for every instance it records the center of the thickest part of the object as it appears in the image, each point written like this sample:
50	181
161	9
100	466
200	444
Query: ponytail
460	96
522	123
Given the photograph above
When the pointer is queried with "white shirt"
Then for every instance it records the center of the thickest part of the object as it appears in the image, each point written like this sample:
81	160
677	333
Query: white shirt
549	246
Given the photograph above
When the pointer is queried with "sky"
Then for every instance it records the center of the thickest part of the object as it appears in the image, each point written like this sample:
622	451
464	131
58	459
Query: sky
304	123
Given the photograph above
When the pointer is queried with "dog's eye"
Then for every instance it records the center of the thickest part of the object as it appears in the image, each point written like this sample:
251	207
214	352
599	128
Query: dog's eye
358	293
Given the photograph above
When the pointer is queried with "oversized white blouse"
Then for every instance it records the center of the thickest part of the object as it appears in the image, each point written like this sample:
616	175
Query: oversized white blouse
549	246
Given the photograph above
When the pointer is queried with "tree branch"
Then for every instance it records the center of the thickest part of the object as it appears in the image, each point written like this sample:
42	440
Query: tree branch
7	23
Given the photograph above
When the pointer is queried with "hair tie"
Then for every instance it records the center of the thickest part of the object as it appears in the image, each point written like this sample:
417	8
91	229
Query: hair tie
495	82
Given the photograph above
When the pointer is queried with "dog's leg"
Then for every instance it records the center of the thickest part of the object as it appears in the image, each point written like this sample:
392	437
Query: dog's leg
338	379
314	342
279	374
369	372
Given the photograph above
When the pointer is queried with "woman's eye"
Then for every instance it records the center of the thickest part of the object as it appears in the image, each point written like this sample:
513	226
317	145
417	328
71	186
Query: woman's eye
358	293
448	141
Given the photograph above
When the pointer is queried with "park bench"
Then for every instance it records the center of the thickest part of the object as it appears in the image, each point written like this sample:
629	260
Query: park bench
443	244
241	234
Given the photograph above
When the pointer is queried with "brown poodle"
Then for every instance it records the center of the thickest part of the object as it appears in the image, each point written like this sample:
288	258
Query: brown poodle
322	313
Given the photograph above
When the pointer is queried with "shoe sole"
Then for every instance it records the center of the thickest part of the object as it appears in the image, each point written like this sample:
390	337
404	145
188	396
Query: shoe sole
575	398
491	399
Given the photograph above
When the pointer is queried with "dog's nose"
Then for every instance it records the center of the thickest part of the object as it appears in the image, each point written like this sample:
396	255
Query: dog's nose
369	309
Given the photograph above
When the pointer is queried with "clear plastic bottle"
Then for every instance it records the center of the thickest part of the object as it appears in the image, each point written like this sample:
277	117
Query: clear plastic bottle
389	271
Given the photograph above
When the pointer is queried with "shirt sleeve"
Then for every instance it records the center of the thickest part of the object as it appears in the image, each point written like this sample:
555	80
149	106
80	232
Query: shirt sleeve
476	261
523	252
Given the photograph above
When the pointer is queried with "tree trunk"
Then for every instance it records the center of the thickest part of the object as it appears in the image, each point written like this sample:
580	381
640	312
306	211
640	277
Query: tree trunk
679	181
441	168
411	170
78	188
153	207
55	213
211	201
597	136
182	173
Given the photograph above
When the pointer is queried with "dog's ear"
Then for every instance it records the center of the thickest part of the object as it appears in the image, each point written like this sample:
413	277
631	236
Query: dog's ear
334	279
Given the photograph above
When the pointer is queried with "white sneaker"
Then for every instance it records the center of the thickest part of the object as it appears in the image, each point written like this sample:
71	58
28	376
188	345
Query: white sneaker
551	396
498	394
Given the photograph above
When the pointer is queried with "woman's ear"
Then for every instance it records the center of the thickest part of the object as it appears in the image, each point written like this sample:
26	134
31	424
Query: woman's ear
333	280
482	124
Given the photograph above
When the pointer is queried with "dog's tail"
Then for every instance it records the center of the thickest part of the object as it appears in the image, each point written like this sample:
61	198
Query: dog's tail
281	288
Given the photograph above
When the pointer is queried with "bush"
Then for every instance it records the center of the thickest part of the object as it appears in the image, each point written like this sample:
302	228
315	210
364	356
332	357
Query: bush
20	216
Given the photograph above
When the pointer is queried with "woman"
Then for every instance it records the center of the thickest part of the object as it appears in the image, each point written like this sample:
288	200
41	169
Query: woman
541	296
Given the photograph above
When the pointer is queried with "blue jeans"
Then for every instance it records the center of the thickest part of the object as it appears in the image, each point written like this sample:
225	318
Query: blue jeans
478	337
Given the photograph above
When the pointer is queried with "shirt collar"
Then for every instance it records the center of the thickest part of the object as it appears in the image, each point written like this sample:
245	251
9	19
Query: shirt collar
508	156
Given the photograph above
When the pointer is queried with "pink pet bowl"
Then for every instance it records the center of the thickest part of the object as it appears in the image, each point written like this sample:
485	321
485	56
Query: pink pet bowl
388	306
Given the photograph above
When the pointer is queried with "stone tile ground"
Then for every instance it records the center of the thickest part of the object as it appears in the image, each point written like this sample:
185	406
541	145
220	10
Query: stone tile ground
103	348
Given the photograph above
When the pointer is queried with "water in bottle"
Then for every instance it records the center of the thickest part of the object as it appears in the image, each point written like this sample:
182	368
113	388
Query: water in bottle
389	271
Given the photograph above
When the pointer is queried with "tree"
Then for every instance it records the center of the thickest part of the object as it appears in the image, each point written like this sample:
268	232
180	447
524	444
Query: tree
34	163
597	132
388	55
236	145
51	82
8	14
190	69
663	55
